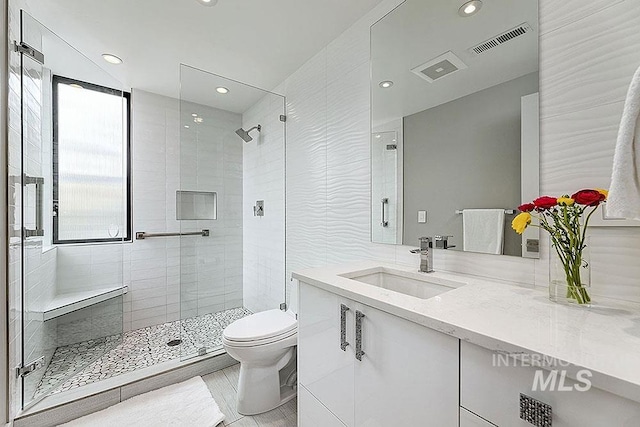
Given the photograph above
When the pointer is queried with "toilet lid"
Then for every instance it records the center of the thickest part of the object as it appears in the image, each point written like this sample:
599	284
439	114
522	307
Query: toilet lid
261	325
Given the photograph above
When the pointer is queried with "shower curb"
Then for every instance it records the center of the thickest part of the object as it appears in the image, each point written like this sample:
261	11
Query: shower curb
67	411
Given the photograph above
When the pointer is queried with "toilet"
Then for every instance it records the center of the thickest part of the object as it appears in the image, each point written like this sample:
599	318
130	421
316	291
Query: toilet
265	345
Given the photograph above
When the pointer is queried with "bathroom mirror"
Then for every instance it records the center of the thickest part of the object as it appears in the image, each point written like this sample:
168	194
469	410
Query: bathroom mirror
455	135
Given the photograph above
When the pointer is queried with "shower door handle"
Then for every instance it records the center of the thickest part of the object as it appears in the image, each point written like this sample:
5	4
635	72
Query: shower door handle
359	352
39	183
343	327
384	222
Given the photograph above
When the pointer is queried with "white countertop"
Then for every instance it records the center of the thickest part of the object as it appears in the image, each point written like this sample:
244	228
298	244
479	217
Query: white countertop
507	318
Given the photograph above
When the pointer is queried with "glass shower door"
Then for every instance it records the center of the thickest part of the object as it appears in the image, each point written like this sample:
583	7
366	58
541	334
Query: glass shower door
71	298
229	205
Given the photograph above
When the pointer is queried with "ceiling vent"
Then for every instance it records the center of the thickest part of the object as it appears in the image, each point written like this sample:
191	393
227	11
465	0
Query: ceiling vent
436	68
496	41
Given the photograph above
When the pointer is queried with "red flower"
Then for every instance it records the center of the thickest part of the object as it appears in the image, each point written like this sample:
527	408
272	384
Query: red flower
527	207
545	202
588	197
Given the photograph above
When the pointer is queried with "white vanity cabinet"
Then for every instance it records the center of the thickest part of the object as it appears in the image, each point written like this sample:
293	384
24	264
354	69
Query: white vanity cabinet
408	375
490	391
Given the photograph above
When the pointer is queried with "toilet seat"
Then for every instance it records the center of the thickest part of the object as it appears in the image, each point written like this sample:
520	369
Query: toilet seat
260	328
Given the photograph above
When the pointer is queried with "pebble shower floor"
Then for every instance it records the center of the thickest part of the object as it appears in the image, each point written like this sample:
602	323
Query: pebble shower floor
137	349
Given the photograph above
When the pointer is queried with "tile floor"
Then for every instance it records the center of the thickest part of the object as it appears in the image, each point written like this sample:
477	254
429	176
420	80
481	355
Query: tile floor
223	386
118	354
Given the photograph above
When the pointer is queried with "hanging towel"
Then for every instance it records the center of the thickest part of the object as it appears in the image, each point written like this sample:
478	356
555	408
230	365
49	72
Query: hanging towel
483	230
624	193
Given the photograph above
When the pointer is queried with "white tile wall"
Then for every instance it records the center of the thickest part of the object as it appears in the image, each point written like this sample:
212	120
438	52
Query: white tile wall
211	160
263	179
206	157
588	53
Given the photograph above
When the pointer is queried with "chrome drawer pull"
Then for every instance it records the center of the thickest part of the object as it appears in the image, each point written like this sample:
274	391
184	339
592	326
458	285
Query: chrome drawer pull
359	352
343	327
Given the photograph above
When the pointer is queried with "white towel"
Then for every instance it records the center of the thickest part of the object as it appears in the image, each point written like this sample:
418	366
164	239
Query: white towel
624	193
483	230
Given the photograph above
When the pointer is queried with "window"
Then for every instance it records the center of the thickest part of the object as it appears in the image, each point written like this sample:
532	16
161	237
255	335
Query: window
91	163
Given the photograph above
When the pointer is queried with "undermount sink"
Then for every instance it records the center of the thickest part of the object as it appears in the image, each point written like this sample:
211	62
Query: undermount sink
415	284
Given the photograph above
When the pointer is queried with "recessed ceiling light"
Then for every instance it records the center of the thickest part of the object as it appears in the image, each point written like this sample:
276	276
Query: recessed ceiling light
386	84
194	115
208	2
198	120
186	126
111	59
470	8
378	135
222	90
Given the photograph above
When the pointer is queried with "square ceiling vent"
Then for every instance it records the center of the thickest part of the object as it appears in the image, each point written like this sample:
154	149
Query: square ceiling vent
436	68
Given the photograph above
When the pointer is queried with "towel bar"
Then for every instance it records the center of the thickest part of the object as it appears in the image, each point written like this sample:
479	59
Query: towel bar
506	211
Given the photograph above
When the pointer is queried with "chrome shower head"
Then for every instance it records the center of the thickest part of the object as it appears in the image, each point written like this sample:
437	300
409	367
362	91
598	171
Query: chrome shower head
244	134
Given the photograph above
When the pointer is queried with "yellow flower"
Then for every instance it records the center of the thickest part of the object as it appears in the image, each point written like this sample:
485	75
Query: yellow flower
520	222
566	201
604	192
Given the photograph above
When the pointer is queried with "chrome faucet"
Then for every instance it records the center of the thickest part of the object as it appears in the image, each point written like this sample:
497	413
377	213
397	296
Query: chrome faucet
426	254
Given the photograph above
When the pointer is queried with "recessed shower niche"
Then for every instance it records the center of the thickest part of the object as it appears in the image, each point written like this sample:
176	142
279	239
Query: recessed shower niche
194	205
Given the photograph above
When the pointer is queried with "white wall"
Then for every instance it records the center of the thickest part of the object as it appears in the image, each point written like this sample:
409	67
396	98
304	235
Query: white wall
263	179
588	53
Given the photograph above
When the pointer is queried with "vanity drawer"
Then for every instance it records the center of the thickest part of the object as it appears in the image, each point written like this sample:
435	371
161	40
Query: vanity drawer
494	393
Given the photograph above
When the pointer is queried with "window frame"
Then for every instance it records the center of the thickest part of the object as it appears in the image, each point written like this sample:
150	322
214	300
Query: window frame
129	200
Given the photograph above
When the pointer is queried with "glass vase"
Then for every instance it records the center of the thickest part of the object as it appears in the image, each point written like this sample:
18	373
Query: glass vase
570	276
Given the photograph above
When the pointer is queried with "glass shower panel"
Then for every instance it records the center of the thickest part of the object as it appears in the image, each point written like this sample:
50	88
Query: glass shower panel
385	222
232	139
71	295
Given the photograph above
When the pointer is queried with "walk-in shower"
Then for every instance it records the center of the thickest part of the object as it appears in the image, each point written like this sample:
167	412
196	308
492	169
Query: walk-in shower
244	134
144	244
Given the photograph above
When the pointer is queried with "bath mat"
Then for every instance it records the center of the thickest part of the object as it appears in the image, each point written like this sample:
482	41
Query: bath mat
187	404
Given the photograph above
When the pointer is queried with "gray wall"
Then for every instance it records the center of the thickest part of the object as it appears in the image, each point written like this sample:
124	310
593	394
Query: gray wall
464	154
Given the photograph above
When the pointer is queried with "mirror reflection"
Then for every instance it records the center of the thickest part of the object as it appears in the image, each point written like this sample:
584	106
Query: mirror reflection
454	142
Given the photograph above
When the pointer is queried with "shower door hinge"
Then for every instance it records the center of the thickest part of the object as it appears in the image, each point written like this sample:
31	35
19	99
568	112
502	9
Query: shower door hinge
283	306
23	371
31	52
283	118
